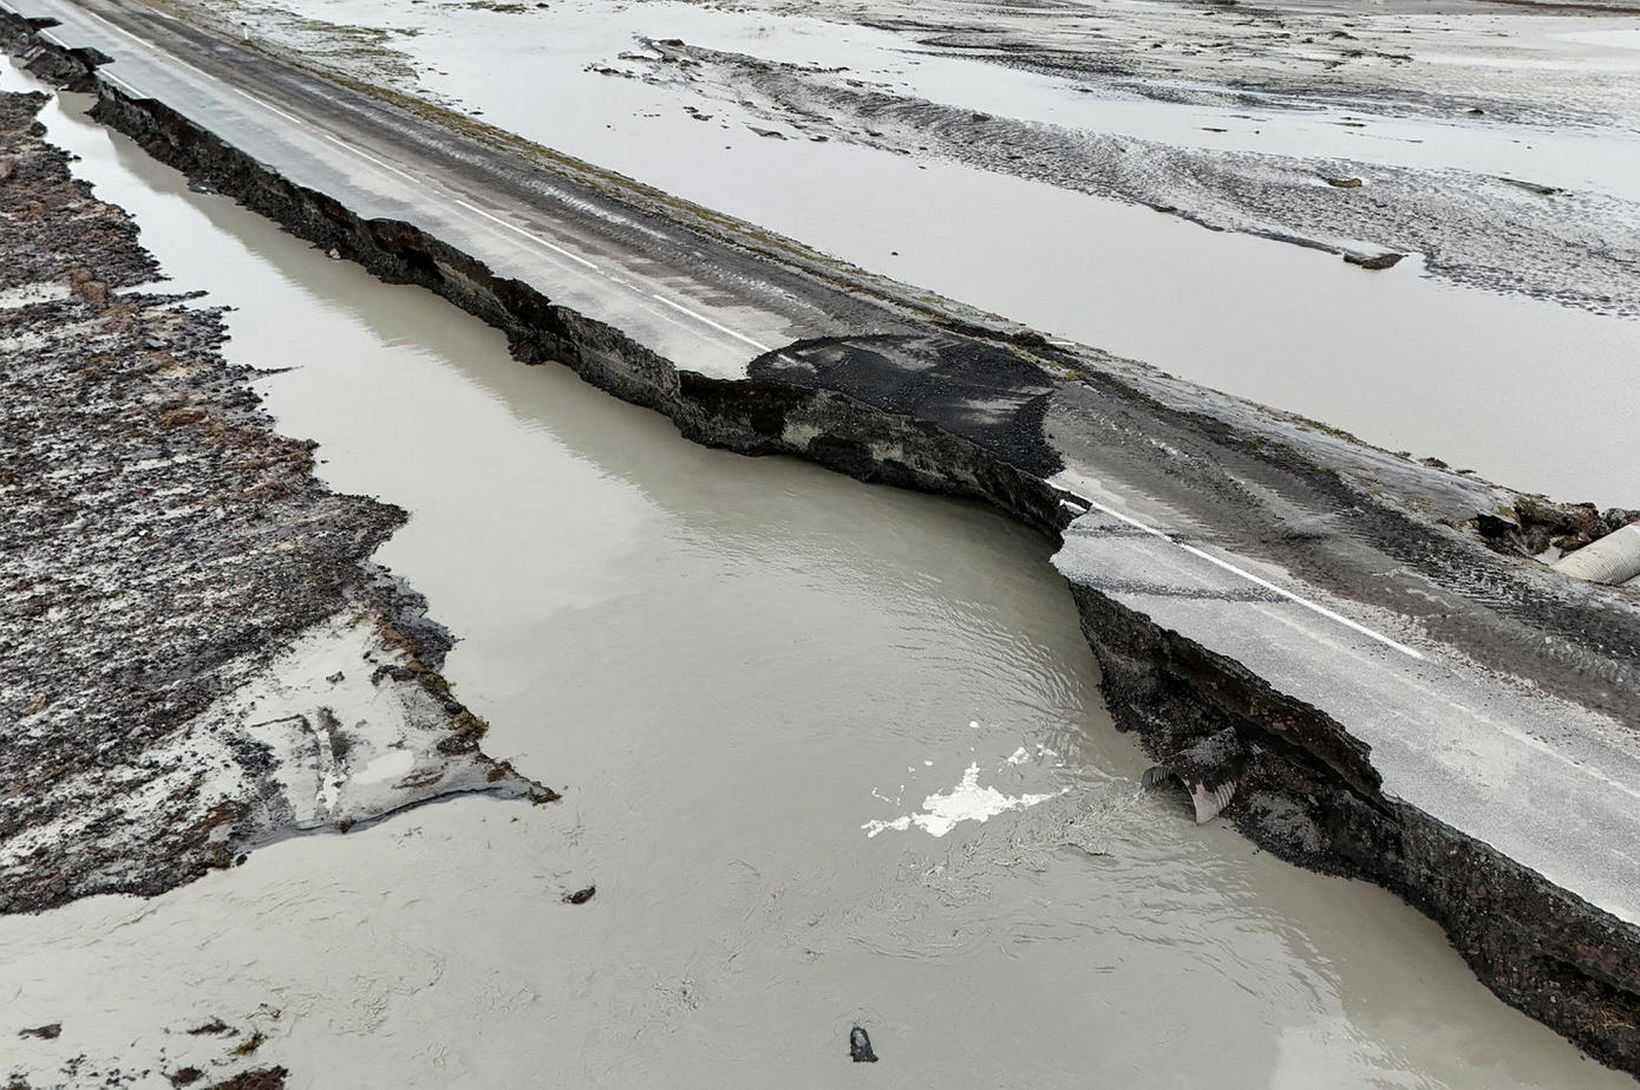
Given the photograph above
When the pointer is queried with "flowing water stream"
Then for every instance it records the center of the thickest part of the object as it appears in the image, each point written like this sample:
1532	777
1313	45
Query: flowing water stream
832	754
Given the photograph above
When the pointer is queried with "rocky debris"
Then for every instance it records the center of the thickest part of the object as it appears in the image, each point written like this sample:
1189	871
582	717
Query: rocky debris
580	896
45	1033
263	1078
859	1047
175	584
1386	260
177	1063
216	1027
1533	525
1282	56
1537	188
249	1044
69	69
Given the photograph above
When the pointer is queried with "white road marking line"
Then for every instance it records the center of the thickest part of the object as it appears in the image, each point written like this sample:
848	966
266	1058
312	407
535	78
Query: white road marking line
192	68
405	174
1415	728
119	29
1314	607
130	90
265	105
242	93
529	235
720	328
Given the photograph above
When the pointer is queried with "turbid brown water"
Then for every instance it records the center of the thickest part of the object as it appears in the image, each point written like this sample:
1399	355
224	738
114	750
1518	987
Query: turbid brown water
779	702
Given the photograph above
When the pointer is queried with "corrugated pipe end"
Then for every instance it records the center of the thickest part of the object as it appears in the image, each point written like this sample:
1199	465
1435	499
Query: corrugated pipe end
1613	559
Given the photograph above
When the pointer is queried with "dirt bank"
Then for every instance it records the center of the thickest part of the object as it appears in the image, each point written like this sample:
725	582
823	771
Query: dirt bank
200	656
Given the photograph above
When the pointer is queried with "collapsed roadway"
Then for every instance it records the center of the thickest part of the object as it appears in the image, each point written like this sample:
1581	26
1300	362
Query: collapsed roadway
1343	651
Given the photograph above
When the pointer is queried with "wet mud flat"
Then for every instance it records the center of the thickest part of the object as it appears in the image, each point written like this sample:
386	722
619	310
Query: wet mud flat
1305	788
1476	229
199	655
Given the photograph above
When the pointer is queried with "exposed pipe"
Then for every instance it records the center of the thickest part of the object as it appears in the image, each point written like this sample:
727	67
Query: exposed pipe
1613	559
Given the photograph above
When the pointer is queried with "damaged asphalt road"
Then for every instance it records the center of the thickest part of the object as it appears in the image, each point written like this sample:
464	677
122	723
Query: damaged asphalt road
1230	563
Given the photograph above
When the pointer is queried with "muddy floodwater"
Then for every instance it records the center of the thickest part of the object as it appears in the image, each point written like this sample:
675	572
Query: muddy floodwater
832	755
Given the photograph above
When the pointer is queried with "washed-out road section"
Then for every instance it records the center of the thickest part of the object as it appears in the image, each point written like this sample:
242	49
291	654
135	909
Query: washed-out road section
1331	644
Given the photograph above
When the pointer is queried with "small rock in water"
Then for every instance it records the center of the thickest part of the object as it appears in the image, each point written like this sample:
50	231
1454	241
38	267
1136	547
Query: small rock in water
1380	261
334	254
1344	183
1534	187
580	896
55	1029
859	1047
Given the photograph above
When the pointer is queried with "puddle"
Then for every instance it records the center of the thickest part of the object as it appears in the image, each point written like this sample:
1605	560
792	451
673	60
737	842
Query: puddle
725	662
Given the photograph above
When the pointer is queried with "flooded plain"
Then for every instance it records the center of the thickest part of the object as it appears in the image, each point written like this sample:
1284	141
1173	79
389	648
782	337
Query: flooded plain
1510	386
832	755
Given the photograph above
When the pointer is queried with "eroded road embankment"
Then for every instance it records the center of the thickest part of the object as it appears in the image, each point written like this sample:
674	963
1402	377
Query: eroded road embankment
199	656
982	412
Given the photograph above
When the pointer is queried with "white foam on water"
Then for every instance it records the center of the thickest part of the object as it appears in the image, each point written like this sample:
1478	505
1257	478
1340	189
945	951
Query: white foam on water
967	801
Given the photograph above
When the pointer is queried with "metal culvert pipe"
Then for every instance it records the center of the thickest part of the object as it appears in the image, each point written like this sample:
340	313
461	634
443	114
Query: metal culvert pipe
1613	559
